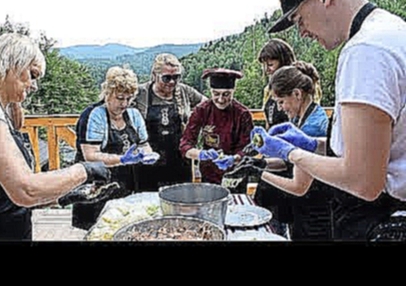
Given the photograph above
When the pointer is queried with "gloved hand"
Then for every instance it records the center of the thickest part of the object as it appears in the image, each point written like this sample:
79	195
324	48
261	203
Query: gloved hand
290	133
255	162
132	156
249	150
96	171
89	194
248	167
225	162
150	158
206	155
243	171
272	146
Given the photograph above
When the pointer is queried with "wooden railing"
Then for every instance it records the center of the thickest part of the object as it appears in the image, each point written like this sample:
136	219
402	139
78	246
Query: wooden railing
59	127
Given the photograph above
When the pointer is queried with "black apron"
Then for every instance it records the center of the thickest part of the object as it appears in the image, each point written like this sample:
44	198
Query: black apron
266	195
279	202
272	113
352	218
312	212
15	221
164	127
85	215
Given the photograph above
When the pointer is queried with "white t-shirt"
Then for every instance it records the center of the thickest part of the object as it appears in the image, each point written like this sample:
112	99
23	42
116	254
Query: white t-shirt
372	70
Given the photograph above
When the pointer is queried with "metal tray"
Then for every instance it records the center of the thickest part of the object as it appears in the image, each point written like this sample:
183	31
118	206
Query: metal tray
246	216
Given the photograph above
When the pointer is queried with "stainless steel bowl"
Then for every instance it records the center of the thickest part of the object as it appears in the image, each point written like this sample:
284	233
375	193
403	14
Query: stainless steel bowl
169	228
201	200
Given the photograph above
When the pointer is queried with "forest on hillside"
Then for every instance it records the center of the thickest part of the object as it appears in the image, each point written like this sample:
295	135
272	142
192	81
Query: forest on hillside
242	50
69	85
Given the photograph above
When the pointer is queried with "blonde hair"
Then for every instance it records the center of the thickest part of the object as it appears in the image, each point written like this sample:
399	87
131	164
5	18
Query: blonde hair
120	80
160	61
17	53
164	59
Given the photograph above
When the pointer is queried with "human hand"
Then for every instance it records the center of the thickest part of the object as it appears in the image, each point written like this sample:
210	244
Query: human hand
271	146
225	162
205	155
150	158
243	171
96	171
249	150
89	193
290	133
133	155
255	162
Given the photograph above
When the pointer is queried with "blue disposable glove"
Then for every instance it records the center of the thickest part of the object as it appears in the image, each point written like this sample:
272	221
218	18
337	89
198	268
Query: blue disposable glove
225	162
272	145
290	133
210	154
150	158
132	156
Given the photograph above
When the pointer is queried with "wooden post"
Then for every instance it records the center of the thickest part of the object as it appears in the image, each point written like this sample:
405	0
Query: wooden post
53	148
33	134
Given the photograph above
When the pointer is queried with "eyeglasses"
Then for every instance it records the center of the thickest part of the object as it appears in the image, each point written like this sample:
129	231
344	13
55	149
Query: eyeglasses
166	78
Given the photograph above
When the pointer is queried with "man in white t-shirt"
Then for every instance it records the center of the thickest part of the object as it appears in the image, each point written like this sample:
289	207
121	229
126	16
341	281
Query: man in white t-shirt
366	164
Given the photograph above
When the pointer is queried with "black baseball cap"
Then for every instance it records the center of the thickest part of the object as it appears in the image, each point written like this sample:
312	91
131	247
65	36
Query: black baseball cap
288	8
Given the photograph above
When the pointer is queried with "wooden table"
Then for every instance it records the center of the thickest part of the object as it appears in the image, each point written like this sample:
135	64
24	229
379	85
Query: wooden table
261	232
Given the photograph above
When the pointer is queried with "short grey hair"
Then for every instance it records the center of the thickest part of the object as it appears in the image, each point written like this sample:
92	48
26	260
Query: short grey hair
18	52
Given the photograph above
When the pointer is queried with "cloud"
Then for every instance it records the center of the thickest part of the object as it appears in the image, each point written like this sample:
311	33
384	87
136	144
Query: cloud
138	24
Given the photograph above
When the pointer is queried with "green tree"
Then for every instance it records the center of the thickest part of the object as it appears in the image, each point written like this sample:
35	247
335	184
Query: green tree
67	86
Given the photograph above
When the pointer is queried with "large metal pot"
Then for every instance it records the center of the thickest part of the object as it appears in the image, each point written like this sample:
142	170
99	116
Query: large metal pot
201	200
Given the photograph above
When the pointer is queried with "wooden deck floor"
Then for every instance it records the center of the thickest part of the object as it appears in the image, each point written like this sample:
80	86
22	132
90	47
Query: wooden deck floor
55	225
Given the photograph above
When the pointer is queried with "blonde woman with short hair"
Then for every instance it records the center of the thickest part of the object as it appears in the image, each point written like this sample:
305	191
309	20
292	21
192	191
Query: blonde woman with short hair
166	104
113	132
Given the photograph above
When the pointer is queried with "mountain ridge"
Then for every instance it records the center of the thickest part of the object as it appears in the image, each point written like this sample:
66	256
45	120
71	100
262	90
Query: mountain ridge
112	51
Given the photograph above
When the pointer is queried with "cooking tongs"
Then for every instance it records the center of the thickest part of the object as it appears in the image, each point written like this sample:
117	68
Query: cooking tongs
250	151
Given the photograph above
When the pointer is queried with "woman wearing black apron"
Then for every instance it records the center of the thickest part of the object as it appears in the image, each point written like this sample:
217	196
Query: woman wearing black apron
21	64
166	105
164	127
294	87
86	214
275	54
107	130
15	221
367	134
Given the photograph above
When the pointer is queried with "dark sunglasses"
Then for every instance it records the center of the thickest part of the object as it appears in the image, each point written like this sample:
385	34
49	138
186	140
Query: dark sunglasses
167	78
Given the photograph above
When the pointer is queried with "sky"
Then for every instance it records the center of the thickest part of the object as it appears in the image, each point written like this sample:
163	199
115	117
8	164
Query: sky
144	23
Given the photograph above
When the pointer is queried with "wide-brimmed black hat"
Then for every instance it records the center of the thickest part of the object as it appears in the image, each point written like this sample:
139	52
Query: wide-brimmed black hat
288	8
222	78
